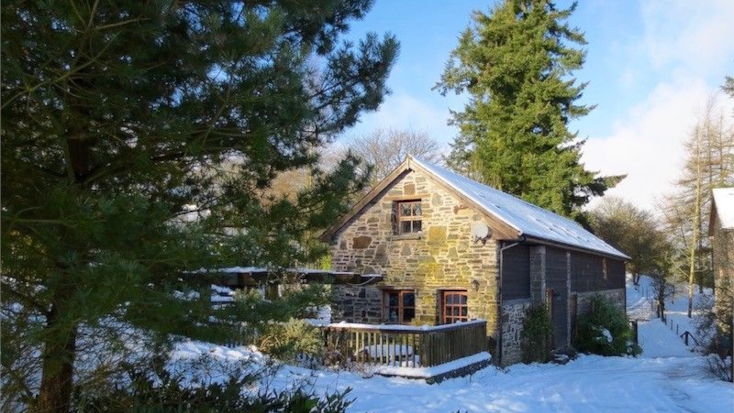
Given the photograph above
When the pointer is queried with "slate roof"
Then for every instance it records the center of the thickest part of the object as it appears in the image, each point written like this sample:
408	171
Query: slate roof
528	219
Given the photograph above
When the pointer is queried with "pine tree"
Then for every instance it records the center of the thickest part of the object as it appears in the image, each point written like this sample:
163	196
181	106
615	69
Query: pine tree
139	139
516	65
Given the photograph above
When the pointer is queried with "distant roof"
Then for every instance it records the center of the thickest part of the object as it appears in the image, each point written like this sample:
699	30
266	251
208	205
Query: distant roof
528	219
724	204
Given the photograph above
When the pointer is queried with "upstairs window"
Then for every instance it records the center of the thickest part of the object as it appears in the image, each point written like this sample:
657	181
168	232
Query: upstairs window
408	217
455	306
399	306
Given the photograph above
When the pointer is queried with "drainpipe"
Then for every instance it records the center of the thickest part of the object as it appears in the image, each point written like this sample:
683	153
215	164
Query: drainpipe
499	298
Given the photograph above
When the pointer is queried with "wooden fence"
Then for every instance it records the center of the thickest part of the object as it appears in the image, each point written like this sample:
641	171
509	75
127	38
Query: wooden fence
406	346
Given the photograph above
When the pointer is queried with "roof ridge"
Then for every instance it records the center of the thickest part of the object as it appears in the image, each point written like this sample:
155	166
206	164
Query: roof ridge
527	218
530	204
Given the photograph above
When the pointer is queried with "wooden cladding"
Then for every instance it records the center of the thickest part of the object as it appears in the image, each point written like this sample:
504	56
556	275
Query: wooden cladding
615	277
516	272
594	273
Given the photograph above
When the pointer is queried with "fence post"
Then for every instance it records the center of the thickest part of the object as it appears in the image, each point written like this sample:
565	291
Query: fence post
634	331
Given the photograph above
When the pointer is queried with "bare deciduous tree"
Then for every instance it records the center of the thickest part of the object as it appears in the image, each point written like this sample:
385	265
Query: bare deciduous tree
385	149
709	164
632	230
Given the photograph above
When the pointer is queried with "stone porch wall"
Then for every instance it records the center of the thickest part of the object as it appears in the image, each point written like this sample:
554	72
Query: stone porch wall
442	257
356	304
513	314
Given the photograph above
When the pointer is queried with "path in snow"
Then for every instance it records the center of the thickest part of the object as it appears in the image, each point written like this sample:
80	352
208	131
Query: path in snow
655	338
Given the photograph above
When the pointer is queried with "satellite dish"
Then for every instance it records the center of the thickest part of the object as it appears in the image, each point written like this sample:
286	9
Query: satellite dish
480	231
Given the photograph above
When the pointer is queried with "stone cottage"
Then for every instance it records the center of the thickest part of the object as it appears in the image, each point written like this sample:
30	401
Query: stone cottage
442	248
721	232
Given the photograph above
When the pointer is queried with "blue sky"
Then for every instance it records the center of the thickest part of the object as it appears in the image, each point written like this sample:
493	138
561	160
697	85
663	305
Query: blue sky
651	66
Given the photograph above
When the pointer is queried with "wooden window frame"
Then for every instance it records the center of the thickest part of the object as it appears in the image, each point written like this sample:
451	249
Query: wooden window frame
446	316
401	307
400	218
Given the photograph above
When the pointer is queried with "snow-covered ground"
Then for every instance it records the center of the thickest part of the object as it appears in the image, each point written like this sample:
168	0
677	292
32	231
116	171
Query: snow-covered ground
656	338
587	384
667	378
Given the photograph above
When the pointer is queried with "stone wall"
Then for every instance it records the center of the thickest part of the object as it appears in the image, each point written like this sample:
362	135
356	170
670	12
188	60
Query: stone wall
356	304
513	314
616	296
442	257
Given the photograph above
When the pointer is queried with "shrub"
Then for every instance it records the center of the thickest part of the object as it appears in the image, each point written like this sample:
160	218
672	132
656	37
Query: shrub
720	367
605	329
536	335
153	389
290	339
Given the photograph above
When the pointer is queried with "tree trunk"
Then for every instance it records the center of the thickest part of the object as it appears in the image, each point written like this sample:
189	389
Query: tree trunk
696	225
58	368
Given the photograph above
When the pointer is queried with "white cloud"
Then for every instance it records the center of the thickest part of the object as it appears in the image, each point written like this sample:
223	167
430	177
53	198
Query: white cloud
688	33
689	47
648	144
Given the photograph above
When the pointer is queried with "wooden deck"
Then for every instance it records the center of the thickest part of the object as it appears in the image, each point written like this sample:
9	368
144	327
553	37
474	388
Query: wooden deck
407	346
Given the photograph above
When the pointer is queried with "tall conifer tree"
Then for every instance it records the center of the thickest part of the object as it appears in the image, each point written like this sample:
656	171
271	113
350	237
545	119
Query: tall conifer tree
516	64
138	140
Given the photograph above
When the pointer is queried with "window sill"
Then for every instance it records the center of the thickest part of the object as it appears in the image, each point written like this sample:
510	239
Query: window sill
405	237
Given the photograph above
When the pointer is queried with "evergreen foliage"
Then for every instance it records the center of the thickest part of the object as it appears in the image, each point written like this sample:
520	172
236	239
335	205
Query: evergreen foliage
537	331
150	389
139	142
728	86
604	329
516	64
276	334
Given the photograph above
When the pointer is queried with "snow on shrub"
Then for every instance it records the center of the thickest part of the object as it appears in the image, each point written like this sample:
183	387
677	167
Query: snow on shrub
604	329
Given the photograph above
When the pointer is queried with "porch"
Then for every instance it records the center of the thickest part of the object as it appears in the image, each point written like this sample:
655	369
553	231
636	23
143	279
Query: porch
426	352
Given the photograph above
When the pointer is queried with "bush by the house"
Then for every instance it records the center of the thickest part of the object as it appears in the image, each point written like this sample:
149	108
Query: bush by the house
604	329
290	339
536	334
281	330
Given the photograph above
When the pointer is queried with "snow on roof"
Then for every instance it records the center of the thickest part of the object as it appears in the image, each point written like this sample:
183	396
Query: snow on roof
724	200
530	220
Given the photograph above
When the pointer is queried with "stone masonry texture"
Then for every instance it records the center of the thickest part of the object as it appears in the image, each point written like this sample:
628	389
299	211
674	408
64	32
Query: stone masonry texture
442	257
